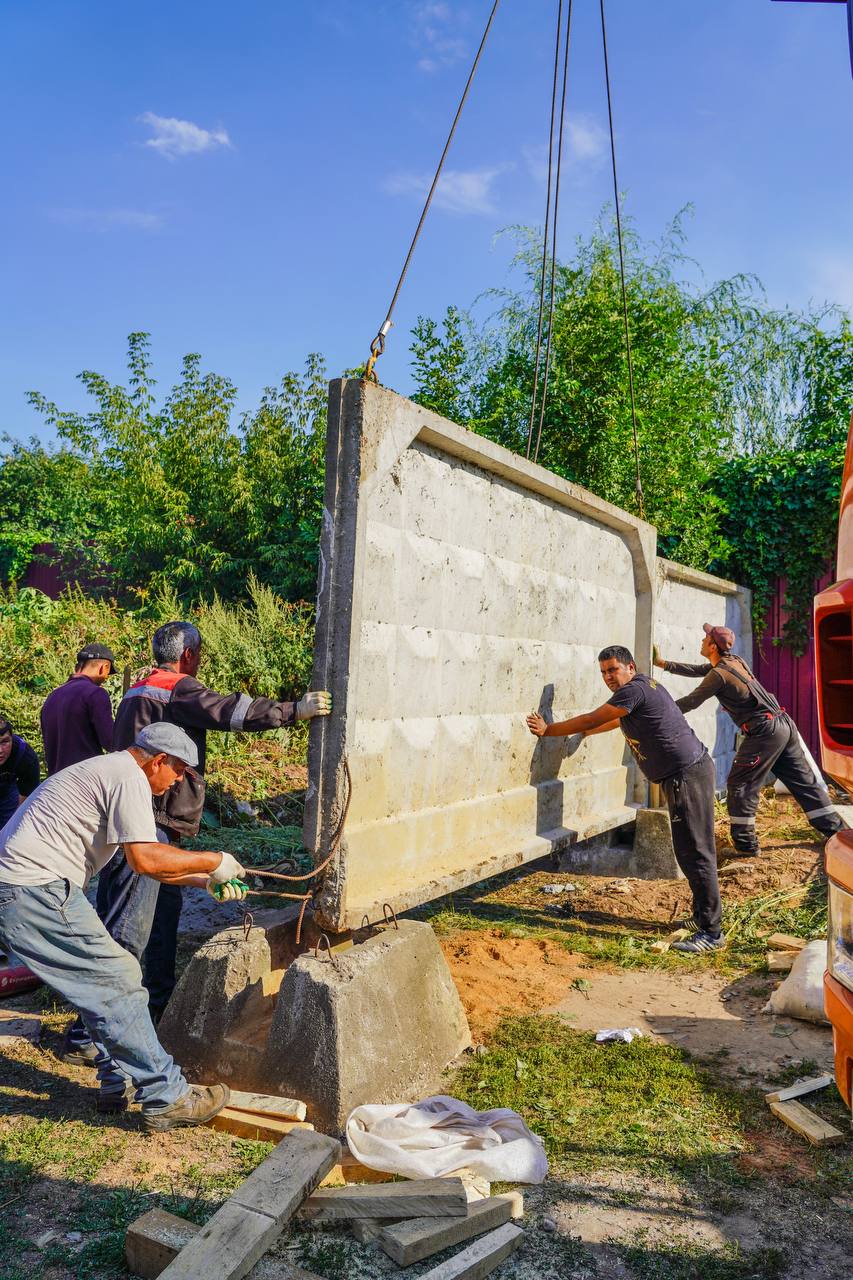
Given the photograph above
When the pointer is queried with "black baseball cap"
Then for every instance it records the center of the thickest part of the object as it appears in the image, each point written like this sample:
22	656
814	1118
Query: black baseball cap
97	653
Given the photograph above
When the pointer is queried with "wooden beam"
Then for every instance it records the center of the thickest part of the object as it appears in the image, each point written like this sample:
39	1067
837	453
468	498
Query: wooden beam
263	1128
798	1089
785	942
480	1258
781	961
424	1198
237	1235
408	1242
266	1104
155	1240
804	1122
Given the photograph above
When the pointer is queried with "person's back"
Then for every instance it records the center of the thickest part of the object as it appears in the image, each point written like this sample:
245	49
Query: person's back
660	738
77	718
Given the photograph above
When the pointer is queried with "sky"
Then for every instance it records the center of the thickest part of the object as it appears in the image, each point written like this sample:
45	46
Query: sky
243	180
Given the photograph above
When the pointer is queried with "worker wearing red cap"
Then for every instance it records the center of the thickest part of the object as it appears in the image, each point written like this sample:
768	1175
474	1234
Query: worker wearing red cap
771	742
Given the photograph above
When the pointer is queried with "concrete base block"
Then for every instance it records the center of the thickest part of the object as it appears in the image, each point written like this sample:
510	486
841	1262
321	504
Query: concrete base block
377	1022
653	851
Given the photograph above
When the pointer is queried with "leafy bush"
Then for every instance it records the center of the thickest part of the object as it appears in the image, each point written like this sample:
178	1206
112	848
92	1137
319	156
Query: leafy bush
263	646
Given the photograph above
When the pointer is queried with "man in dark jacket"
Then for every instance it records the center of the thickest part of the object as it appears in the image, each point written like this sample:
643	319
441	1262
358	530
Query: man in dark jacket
771	742
77	717
140	913
19	771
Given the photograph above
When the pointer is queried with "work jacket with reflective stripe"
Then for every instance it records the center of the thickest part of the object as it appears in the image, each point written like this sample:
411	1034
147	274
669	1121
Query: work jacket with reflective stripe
185	701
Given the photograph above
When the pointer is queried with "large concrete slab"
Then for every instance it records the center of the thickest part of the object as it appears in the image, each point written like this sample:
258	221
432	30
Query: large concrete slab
461	587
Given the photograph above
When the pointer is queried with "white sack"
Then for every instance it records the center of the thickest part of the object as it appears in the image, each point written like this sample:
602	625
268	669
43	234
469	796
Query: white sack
801	994
437	1137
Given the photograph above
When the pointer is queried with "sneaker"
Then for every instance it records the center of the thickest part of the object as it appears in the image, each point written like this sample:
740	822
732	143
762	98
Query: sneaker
199	1104
78	1054
701	941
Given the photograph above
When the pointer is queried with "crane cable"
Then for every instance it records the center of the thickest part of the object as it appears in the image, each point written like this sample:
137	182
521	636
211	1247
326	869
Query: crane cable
553	269
638	484
377	346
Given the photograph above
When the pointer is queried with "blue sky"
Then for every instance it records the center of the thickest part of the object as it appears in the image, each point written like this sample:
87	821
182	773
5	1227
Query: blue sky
242	180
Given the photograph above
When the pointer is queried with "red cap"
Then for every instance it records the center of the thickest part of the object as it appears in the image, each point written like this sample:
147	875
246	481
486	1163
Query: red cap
723	637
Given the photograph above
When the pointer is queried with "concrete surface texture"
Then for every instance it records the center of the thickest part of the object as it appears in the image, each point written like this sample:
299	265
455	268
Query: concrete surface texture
461	587
685	599
377	1022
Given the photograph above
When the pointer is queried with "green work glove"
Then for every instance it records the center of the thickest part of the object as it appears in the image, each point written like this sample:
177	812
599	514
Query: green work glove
231	891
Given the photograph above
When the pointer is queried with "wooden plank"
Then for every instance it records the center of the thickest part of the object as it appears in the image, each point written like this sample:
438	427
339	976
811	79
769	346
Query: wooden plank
230	1244
424	1198
785	942
781	961
267	1104
155	1239
263	1128
344	1174
408	1242
798	1089
365	1230
804	1122
481	1257
664	944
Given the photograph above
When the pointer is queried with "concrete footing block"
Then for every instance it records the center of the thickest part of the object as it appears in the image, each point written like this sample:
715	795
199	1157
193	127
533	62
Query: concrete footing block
377	1022
654	855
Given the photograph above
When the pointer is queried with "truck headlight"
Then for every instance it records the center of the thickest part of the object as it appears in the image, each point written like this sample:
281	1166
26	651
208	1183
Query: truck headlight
840	957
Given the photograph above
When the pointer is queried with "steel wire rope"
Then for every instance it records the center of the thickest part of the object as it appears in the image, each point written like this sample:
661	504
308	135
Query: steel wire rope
541	315
638	481
554	237
377	346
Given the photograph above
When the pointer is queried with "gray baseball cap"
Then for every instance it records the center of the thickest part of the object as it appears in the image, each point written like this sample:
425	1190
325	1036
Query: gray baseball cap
163	736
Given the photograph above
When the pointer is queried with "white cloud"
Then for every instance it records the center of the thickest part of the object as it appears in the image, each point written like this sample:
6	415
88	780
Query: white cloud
435	35
173	137
584	147
107	219
458	191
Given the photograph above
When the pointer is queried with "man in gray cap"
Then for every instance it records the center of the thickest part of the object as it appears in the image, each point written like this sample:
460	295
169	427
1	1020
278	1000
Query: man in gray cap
771	742
61	836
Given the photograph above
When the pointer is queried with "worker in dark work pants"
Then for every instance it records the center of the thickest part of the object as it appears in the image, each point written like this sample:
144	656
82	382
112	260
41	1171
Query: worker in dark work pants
669	753
771	742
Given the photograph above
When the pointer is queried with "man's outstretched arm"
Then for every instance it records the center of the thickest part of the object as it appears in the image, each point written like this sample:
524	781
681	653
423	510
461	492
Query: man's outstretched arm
600	720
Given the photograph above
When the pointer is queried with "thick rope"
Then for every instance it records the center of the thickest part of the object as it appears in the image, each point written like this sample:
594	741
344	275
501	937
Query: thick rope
554	234
378	344
638	481
547	225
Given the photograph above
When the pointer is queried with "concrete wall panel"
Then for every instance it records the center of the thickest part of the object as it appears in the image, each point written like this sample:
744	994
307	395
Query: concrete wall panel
460	587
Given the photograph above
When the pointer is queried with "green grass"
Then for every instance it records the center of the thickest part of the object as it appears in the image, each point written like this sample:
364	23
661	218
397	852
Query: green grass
685	1260
78	1151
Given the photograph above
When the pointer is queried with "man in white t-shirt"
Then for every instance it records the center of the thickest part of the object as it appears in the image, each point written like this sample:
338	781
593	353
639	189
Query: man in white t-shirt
61	836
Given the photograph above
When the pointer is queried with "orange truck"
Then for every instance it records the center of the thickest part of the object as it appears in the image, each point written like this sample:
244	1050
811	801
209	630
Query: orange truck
834	661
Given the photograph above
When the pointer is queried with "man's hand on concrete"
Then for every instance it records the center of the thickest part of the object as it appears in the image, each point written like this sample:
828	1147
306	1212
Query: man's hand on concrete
657	660
318	703
229	869
536	724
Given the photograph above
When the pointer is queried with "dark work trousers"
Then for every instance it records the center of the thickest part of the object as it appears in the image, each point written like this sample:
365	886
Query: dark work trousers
142	915
690	799
773	745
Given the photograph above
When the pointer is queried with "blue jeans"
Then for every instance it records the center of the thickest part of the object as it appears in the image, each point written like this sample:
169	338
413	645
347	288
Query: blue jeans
57	934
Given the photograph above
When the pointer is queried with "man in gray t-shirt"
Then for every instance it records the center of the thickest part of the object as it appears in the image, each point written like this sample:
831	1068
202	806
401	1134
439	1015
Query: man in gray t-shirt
64	833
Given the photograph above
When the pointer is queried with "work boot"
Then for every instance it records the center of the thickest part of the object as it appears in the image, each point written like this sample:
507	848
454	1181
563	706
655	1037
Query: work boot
199	1104
110	1104
700	942
77	1054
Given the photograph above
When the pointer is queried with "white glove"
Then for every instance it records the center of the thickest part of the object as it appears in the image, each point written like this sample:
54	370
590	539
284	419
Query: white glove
229	869
314	704
231	891
572	743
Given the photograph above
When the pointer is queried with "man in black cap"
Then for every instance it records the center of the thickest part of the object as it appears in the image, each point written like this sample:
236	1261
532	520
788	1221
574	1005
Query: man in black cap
77	718
771	742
